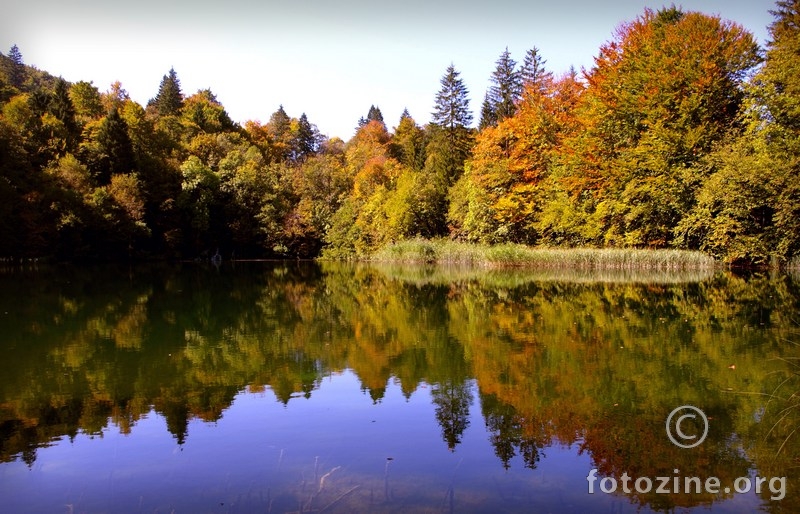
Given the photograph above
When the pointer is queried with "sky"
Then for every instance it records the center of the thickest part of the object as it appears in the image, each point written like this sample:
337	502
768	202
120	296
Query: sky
329	59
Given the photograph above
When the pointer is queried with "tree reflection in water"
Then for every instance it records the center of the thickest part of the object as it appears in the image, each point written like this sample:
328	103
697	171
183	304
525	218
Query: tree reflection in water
550	359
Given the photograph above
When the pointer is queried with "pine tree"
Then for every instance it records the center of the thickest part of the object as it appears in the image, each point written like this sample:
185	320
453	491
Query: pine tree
307	139
450	137
451	110
62	108
506	87
279	123
170	98
488	114
282	144
533	75
17	74
116	146
374	114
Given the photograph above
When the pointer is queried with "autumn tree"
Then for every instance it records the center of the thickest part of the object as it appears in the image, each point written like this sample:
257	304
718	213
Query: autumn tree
500	197
202	112
115	97
659	97
779	90
87	101
747	211
408	142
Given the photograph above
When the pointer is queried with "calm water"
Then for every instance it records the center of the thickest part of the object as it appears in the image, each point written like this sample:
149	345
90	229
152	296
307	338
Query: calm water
295	387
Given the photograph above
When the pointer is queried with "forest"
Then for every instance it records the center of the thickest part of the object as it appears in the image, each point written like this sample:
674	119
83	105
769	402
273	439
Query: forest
683	134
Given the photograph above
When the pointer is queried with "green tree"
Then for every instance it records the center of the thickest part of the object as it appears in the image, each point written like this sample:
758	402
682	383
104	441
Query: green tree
17	71
116	150
307	139
450	136
506	86
169	99
488	113
533	74
451	110
199	205
62	108
374	114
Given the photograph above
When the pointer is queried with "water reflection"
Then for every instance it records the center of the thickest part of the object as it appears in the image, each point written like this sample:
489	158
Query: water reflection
544	360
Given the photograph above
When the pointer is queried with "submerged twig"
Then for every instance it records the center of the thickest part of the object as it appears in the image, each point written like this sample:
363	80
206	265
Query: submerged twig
341	496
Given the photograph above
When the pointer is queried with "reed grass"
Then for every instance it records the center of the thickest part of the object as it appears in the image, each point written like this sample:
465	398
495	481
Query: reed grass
444	251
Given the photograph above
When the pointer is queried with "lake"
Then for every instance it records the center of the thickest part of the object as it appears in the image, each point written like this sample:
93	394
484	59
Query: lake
304	387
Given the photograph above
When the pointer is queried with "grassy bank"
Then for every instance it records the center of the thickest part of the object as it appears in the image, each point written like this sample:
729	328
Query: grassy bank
443	251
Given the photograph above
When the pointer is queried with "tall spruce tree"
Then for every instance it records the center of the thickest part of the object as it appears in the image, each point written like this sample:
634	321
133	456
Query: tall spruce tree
506	86
534	76
117	149
374	114
307	138
279	123
451	110
451	139
170	98
62	108
17	71
488	114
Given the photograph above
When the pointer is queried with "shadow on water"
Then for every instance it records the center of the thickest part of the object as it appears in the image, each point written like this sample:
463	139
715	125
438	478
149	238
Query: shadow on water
593	362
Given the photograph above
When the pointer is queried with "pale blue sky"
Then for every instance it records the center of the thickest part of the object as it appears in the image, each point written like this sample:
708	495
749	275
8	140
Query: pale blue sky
329	59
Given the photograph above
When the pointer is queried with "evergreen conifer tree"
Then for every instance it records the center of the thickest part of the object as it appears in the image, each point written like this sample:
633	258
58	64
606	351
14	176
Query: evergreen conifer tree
170	98
17	72
451	110
451	139
279	123
116	146
62	108
374	114
488	114
533	75
307	138
506	86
